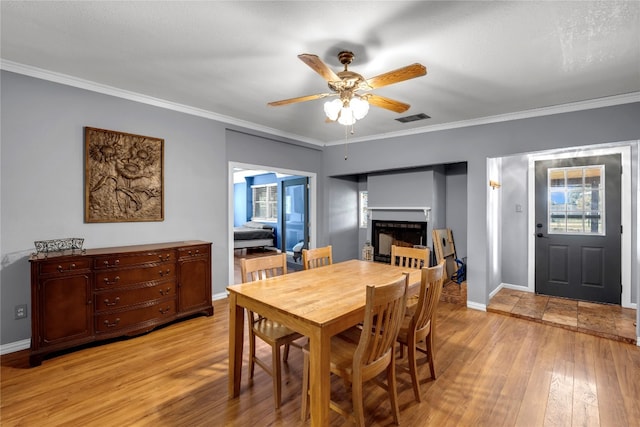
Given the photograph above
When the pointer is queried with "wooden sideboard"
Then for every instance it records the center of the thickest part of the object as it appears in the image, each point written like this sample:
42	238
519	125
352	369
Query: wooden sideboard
98	294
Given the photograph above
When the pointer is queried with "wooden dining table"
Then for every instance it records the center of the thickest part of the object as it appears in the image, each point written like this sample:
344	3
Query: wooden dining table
317	303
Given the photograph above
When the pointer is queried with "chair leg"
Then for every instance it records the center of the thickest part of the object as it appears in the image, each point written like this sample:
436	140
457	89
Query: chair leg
276	372
392	389
432	361
252	352
304	406
358	401
413	369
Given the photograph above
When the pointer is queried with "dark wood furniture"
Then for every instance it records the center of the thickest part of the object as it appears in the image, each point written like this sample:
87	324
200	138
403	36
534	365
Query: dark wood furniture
82	297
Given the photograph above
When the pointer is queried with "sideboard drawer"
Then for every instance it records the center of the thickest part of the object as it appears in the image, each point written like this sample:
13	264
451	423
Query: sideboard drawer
122	297
124	260
193	252
65	266
112	322
124	277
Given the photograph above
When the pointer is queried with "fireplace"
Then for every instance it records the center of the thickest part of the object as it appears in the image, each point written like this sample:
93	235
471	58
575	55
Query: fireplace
400	233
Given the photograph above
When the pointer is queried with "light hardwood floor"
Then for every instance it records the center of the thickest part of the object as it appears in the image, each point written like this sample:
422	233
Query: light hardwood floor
493	370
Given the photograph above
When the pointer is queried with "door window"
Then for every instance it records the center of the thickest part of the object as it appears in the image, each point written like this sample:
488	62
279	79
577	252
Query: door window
576	200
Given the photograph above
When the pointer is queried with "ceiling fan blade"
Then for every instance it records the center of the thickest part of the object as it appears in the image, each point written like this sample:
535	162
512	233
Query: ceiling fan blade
300	99
319	67
396	76
387	103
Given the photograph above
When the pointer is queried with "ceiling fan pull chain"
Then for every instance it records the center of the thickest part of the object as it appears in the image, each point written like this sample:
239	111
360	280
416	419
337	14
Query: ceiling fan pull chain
346	148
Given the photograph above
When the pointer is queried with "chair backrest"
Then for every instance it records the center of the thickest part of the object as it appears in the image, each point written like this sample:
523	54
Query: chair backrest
383	316
318	257
431	283
409	257
258	268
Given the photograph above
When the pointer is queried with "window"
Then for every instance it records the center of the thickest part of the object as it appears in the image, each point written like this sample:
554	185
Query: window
265	202
364	209
575	200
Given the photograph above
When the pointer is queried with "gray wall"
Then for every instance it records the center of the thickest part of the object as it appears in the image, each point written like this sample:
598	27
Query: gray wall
475	145
42	188
456	206
514	223
343	218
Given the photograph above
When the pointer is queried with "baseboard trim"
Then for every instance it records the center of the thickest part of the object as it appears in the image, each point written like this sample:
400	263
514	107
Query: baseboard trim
476	306
12	347
517	287
221	295
496	290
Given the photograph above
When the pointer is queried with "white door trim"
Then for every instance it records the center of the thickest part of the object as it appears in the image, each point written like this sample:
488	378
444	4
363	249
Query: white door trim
230	203
619	148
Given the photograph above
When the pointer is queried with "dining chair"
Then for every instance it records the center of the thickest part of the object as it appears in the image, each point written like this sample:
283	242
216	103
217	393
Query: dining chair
361	353
272	333
409	257
318	257
419	325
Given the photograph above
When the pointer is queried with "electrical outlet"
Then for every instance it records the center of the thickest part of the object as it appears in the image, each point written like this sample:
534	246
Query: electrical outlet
21	311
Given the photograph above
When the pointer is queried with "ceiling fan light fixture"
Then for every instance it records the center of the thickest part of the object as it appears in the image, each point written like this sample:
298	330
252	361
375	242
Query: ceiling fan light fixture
332	109
346	112
347	117
359	106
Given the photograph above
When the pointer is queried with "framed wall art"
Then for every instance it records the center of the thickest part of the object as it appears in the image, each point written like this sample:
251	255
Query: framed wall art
124	179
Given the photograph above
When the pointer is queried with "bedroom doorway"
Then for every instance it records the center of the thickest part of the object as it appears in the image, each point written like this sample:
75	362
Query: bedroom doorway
235	170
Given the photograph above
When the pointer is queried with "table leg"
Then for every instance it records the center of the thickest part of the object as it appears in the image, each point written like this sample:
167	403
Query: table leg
319	379
236	340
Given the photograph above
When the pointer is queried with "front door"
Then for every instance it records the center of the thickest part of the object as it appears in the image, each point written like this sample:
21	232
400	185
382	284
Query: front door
578	227
295	213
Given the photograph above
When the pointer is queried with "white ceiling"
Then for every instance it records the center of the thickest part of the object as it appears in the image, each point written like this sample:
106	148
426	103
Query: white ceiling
486	60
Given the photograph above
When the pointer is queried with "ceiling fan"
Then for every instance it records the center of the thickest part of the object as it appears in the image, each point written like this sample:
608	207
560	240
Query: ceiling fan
352	89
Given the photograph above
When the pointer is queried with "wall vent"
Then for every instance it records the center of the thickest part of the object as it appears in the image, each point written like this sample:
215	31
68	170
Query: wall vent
413	118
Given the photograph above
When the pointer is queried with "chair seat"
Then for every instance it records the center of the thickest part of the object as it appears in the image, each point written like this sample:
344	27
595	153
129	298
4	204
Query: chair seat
343	346
404	329
269	330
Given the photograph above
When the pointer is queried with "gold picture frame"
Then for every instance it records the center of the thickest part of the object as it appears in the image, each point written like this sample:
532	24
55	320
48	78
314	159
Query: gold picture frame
124	177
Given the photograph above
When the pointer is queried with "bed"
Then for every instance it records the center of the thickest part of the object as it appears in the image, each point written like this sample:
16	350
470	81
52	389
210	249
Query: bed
253	235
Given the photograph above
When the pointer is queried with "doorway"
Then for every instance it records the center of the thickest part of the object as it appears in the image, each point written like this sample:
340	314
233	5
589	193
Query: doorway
624	261
295	214
578	228
311	204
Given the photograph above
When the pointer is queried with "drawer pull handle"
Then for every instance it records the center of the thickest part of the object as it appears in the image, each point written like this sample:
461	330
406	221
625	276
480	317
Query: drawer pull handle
71	267
162	273
116	262
109	303
111	282
164	310
112	325
164	258
197	251
165	291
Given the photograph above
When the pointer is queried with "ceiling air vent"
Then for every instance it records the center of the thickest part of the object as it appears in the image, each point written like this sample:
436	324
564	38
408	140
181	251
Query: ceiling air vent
413	118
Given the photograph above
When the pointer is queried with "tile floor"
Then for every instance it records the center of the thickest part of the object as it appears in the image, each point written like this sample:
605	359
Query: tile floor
603	320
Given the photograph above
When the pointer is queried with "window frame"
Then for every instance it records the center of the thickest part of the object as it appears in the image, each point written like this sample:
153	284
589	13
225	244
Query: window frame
270	204
566	192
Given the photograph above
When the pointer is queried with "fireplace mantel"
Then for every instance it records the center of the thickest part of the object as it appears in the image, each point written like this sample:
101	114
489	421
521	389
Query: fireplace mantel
425	209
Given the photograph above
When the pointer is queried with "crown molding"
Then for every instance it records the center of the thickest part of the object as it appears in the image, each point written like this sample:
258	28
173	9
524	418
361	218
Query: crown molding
609	101
144	99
